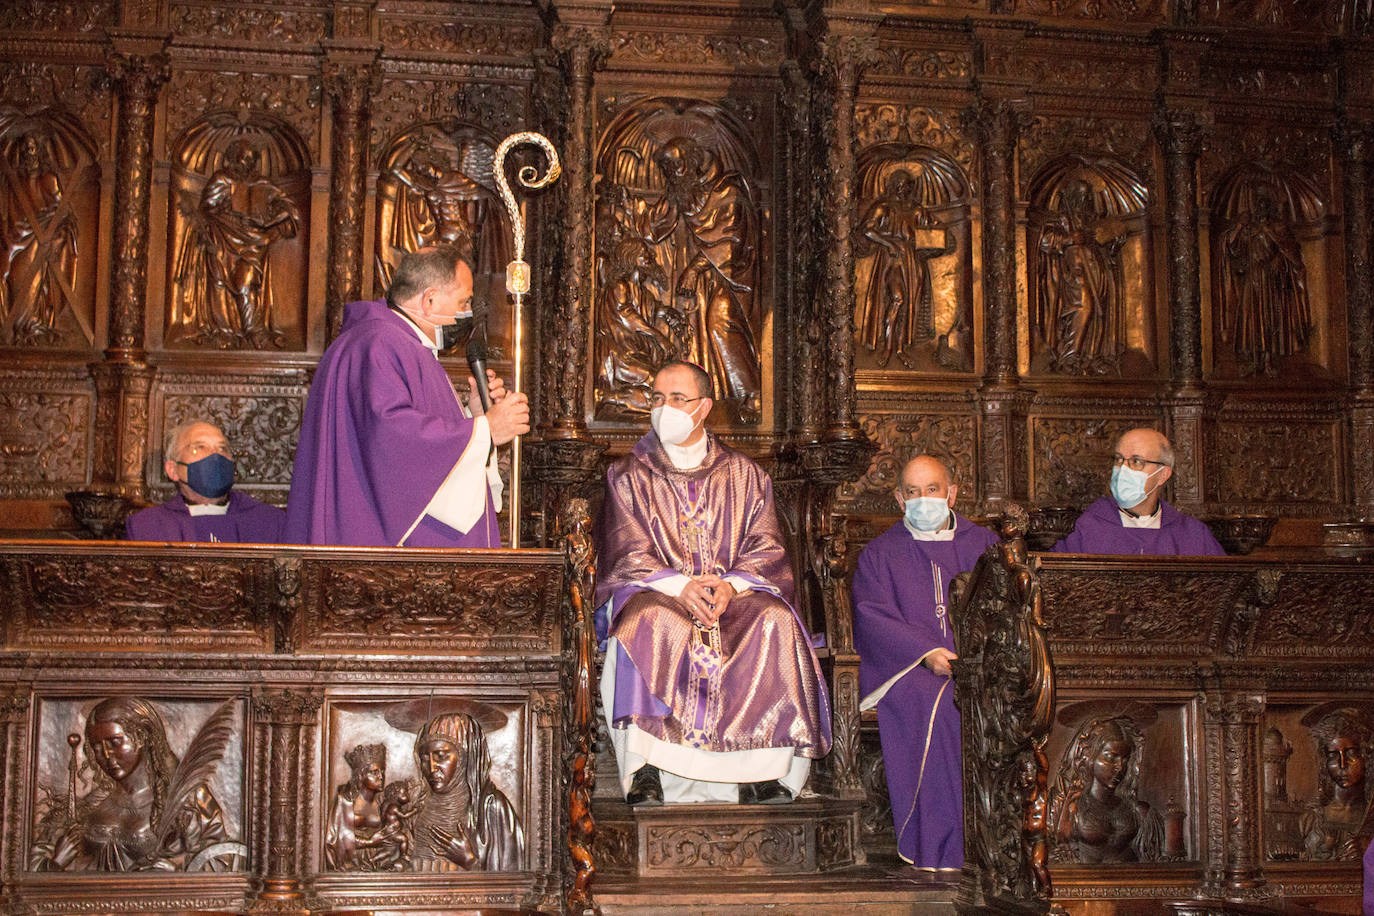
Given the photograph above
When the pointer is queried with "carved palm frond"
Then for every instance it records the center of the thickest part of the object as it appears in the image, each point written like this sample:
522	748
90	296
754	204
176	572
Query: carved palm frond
196	766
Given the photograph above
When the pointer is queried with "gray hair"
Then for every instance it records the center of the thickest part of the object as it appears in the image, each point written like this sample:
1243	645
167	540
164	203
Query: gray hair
169	441
425	268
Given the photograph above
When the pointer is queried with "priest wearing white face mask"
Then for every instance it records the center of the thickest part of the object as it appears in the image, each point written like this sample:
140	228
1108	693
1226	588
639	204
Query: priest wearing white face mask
711	687
906	642
1134	519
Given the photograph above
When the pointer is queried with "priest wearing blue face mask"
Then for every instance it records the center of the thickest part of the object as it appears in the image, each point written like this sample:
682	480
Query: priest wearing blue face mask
206	508
1134	519
903	632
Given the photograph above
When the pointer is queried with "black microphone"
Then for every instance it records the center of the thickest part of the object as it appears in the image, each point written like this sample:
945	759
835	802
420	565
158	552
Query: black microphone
477	362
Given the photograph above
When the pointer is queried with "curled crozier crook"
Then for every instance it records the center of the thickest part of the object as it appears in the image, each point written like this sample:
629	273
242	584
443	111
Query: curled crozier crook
517	272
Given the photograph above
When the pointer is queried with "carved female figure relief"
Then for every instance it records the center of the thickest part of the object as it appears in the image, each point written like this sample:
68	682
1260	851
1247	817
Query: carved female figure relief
149	810
1095	814
1084	216
1259	276
1335	819
913	214
357	812
677	257
463	821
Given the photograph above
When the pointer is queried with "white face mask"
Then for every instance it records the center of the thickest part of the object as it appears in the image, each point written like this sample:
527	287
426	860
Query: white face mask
1128	486
927	513
672	425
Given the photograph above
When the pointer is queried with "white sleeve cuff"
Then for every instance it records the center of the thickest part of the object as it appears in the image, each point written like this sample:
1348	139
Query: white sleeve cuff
462	497
740	585
670	585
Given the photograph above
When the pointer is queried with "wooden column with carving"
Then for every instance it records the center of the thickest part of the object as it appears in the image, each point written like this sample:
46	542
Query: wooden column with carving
1234	855
1356	136
1180	134
14	719
139	65
1003	403
351	76
563	460
284	721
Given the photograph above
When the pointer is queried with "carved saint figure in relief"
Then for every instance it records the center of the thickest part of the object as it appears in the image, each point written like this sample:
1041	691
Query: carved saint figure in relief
705	228
1080	284
1263	293
1334	821
903	237
1095	815
225	265
149	809
463	822
357	813
38	262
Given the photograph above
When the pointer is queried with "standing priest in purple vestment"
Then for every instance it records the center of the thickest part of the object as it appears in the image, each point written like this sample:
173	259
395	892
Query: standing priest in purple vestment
903	632
1134	520
711	687
387	455
198	460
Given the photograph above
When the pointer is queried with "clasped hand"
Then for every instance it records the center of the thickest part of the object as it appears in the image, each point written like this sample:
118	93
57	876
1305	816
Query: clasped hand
509	415
707	597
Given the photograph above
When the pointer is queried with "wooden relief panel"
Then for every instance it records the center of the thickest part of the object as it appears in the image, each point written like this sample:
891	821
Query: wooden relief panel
49	210
1049	138
151	602
1317	787
913	274
1088	266
349	606
1268	257
680	245
1123	11
1317	615
45	444
276	24
429	785
901	437
1277	461
133	784
877	123
436	186
239	226
1119	784
47	16
1293	15
1071	457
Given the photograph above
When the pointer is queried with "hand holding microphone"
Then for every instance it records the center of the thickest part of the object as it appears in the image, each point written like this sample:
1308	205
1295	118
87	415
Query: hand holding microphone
508	414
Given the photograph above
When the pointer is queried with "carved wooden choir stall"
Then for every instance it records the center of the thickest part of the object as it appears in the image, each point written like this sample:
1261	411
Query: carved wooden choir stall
1001	232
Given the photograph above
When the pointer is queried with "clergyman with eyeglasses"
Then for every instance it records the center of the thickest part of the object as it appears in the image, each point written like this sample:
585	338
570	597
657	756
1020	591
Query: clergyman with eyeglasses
1134	519
711	688
198	460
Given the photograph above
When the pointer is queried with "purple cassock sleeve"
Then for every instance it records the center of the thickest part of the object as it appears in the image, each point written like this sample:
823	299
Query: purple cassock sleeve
382	429
1099	531
247	522
901	590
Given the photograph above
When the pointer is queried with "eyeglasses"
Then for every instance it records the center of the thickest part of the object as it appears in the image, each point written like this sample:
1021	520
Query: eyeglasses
198	450
1135	462
672	400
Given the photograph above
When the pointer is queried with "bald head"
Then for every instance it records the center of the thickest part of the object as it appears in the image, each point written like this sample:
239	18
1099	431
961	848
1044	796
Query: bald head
926	476
1144	451
1146	443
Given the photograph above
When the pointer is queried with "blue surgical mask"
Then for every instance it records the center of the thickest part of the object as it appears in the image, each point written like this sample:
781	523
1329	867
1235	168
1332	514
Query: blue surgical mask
211	476
927	513
1128	486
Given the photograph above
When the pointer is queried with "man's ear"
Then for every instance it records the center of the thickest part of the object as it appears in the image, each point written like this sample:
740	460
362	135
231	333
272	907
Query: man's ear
1168	472
901	503
169	468
709	402
953	493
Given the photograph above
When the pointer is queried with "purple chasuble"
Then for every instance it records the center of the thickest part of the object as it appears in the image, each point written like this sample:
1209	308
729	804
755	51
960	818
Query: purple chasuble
247	522
382	429
1099	530
756	683
901	598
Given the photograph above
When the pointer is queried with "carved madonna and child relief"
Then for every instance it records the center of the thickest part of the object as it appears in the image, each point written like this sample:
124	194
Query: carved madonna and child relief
436	186
913	274
1332	823
129	802
240	207
678	243
1087	245
48	204
1261	220
452	818
1096	813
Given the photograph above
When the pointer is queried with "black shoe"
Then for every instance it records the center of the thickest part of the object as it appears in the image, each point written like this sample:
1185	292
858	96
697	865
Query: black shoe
646	788
770	792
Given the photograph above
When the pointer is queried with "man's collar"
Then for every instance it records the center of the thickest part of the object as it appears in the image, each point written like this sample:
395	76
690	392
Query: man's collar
939	534
431	345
